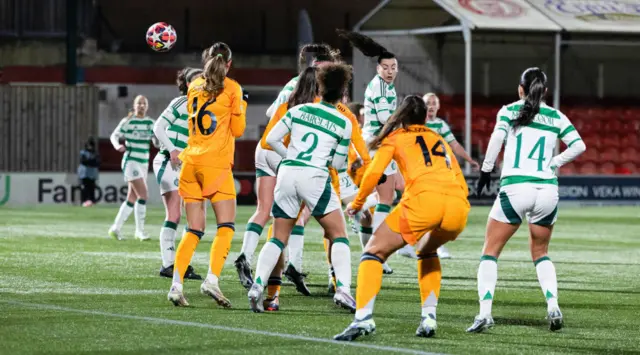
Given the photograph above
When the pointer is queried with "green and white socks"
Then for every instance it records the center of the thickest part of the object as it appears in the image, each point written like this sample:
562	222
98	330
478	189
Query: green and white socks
140	215
487	279
168	243
548	281
296	246
123	214
341	262
250	240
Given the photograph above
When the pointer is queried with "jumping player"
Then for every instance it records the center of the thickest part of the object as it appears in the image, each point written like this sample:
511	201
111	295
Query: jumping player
216	117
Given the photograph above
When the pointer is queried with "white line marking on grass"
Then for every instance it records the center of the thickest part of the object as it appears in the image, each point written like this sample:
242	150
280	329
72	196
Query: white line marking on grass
218	327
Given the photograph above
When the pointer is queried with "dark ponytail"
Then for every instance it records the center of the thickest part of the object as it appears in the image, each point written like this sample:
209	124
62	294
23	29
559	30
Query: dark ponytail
186	76
306	89
319	52
412	110
534	84
366	45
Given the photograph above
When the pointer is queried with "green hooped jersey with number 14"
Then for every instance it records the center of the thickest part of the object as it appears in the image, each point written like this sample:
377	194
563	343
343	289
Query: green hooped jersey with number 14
529	149
318	132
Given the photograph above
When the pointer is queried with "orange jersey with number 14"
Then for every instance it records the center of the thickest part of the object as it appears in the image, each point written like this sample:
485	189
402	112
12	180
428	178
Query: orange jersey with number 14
425	160
214	123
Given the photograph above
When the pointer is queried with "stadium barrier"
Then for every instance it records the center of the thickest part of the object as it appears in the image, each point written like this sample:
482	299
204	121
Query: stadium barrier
25	189
577	189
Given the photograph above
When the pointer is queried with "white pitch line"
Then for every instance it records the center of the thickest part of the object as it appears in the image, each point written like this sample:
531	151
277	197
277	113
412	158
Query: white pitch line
219	327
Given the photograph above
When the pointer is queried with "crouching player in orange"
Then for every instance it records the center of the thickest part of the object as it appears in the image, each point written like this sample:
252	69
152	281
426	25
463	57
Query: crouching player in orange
216	117
432	212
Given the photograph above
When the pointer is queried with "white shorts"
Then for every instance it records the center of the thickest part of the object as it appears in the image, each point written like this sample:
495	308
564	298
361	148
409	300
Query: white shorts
391	169
266	162
296	185
348	188
133	170
538	202
166	177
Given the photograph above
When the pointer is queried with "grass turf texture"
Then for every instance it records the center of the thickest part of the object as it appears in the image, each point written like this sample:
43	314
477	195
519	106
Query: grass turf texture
61	257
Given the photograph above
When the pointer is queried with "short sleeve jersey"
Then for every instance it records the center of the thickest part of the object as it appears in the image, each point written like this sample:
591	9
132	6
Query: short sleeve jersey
529	149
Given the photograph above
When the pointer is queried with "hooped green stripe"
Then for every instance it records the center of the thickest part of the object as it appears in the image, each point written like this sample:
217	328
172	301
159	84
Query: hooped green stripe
489	257
341	240
538	261
298	230
383	208
254	227
277	242
170	225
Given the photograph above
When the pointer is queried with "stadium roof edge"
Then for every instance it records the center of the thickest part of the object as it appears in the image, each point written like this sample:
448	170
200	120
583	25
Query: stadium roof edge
403	17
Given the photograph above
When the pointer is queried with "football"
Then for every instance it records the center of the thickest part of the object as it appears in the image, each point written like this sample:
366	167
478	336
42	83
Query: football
161	37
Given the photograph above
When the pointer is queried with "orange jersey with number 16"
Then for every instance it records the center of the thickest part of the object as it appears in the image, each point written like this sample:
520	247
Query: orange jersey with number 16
214	123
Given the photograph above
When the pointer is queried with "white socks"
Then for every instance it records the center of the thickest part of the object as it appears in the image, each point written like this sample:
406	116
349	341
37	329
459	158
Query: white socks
381	212
296	246
487	279
140	214
548	281
341	262
250	240
267	260
168	243
123	214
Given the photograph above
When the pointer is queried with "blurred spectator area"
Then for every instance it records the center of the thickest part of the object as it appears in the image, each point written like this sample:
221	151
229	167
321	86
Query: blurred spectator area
259	27
609	128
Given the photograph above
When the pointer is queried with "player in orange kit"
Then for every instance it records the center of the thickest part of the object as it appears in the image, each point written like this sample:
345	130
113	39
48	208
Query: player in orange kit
216	118
433	211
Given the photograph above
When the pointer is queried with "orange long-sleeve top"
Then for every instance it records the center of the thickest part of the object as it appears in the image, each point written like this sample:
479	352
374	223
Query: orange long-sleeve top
425	160
214	124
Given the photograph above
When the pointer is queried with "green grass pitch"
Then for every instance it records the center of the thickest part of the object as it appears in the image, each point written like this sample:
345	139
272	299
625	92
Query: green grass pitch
65	287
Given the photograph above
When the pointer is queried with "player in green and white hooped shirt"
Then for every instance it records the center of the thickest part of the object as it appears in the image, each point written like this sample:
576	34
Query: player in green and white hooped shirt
265	162
320	137
380	102
528	187
137	132
172	130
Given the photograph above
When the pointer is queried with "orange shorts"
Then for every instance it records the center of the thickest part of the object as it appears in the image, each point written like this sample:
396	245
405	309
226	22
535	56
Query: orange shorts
198	183
429	212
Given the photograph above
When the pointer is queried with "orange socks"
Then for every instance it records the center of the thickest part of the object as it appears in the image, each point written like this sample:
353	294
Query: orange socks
184	253
429	278
369	283
220	249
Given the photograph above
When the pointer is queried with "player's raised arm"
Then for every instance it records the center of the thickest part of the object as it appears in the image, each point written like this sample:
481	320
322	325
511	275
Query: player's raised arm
238	113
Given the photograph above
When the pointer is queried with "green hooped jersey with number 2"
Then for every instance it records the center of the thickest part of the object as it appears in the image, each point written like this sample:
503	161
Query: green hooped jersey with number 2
318	132
529	149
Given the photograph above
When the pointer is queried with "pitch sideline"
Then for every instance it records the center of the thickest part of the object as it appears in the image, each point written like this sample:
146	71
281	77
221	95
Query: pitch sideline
217	327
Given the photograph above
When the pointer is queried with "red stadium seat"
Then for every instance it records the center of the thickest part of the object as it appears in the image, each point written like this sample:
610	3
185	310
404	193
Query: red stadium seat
607	168
588	168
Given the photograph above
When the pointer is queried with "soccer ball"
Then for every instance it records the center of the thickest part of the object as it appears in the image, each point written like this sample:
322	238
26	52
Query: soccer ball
161	37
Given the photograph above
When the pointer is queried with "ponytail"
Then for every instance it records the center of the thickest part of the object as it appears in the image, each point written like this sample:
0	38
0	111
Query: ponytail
534	84
366	45
215	60
412	110
215	70
319	52
531	105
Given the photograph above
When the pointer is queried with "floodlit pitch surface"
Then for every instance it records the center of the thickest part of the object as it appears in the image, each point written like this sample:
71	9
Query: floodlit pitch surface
65	287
